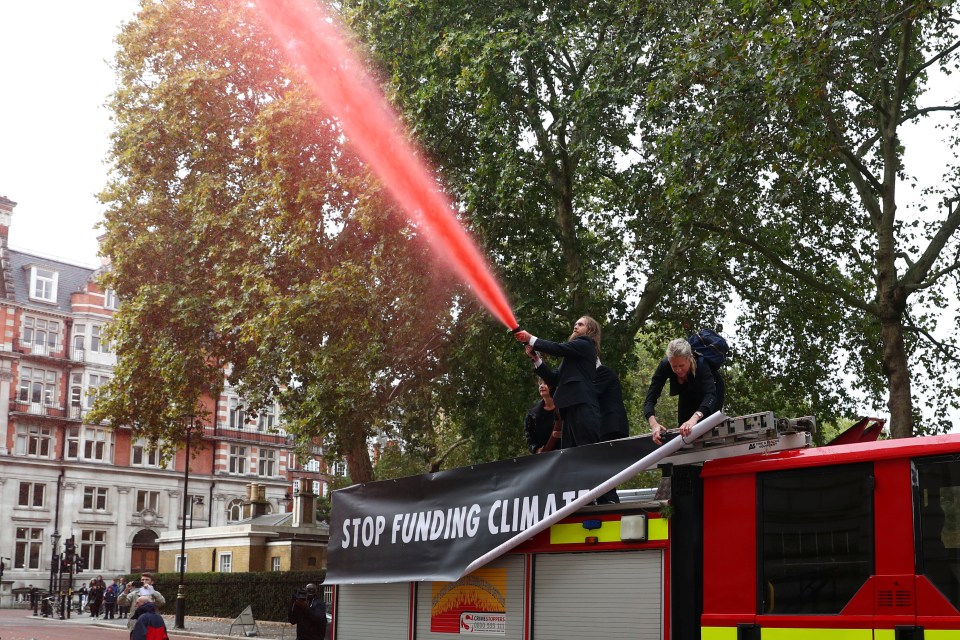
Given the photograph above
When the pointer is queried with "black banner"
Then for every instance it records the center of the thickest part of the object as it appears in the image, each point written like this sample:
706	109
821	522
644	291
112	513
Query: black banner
431	527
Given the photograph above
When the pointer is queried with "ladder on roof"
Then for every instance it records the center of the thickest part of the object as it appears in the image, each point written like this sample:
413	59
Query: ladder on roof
743	435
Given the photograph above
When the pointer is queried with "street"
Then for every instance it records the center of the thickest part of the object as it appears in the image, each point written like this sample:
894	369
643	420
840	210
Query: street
18	624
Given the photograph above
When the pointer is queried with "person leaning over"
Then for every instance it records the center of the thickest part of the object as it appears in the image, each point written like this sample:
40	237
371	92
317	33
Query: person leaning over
309	612
149	625
691	379
575	396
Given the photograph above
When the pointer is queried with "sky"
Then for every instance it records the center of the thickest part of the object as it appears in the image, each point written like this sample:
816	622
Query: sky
56	78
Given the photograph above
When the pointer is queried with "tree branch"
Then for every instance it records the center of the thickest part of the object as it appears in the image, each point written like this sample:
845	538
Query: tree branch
920	270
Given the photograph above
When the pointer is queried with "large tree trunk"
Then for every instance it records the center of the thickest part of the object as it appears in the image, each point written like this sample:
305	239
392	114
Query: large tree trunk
357	455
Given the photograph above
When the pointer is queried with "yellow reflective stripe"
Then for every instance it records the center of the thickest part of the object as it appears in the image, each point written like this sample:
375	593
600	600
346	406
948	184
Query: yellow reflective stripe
768	633
609	531
940	634
718	633
883	634
657	529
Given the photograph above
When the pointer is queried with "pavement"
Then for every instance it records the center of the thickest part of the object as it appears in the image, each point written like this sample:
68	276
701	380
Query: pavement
194	626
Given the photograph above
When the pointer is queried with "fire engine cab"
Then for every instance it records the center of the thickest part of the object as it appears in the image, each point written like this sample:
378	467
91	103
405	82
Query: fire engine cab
754	535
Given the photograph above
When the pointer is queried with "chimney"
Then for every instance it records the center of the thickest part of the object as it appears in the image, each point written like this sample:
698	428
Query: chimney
6	213
305	505
256	503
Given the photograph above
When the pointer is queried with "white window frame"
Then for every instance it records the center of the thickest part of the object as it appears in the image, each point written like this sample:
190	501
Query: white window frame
275	563
28	499
149	456
236	460
28	548
235	508
98	344
37	386
148	499
34	441
178	559
95	498
94	381
93	548
35	326
267	463
43	284
110	300
225	562
97	444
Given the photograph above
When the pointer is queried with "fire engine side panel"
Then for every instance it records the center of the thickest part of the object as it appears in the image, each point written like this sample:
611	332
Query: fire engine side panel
366	611
497	588
729	549
614	595
893	517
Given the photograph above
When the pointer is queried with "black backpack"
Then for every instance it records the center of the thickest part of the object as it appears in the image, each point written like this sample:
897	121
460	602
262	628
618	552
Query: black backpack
710	346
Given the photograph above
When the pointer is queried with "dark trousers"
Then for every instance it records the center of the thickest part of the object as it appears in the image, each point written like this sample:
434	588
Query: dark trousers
108	609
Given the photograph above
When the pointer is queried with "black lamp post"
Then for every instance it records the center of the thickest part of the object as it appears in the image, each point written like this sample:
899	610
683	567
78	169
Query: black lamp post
181	595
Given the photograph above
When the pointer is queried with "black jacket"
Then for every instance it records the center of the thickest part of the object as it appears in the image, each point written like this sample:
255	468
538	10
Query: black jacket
698	393
573	379
613	414
311	620
538	426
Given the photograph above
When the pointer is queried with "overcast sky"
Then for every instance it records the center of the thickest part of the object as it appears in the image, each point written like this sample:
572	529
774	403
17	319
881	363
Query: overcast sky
55	79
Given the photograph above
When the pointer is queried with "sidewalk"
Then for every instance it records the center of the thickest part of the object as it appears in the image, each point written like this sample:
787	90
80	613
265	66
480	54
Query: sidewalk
196	626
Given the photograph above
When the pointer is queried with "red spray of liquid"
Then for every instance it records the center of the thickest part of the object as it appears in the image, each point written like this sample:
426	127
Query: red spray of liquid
313	44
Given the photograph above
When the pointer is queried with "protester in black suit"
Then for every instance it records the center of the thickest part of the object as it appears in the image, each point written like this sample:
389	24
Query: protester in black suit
573	380
692	379
613	414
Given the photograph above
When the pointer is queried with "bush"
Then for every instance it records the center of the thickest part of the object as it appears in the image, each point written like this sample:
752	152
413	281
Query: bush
225	595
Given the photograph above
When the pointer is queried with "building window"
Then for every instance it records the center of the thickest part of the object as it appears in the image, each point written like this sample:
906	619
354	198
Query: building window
73	443
29	544
110	299
226	562
95	498
97	444
34	441
43	284
180	563
38	386
94	382
32	494
41	333
235	510
237	460
148	500
312	465
93	544
237	415
76	391
97	342
144	454
267	463
266	419
816	528
275	563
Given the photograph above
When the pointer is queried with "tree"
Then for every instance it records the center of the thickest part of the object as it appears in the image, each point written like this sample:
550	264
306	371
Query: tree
243	237
788	129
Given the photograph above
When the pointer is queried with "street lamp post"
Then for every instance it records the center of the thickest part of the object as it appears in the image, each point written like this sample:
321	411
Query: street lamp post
54	560
181	595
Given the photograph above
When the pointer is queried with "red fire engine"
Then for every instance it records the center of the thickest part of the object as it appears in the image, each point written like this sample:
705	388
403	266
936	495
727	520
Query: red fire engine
763	537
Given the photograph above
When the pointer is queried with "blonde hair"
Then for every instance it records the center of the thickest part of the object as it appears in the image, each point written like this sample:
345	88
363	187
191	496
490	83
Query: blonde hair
680	348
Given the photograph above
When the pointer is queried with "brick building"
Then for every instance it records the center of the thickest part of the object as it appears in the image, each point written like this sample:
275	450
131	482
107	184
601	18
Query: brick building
62	476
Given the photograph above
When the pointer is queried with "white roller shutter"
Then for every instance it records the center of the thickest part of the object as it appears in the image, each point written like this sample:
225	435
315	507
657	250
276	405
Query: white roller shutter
614	596
368	611
513	603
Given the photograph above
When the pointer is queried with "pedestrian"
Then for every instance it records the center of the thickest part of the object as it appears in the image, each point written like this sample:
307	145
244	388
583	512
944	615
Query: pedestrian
124	600
691	379
309	612
573	380
110	596
149	625
95	596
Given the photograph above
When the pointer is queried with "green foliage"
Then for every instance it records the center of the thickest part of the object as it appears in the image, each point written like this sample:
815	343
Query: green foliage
225	595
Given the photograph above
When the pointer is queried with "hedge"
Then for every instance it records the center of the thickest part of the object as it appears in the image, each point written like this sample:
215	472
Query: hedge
225	595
